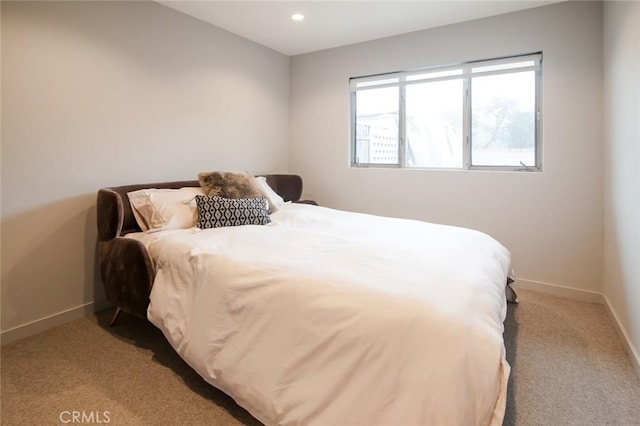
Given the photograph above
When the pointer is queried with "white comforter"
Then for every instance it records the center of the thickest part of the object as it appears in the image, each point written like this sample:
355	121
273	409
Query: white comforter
327	318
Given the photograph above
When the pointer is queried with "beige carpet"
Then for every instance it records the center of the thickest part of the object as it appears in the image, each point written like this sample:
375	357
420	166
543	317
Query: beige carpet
568	369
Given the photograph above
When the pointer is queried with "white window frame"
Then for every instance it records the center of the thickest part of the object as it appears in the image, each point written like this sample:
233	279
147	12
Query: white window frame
466	72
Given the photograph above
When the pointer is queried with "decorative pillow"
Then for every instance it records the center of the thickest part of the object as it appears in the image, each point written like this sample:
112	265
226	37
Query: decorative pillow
230	184
160	209
275	200
216	212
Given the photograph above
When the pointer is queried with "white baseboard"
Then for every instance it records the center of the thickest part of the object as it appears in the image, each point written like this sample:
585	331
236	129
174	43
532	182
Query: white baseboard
46	323
560	291
634	355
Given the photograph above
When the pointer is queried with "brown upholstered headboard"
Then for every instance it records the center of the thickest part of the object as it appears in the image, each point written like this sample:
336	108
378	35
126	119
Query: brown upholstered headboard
116	219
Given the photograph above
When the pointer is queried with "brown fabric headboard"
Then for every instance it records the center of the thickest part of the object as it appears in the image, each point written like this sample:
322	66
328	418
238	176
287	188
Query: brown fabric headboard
116	219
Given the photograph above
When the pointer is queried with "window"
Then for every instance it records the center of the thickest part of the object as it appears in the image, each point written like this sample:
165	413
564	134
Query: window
477	115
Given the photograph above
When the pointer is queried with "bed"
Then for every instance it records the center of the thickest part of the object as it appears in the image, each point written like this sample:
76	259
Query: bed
322	316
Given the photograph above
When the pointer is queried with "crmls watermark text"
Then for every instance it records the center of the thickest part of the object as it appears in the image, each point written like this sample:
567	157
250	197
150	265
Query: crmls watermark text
86	417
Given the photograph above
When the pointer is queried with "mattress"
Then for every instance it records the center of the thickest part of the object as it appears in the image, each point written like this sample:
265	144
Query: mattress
328	317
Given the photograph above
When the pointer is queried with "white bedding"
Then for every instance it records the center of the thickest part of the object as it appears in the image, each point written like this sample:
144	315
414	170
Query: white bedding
325	317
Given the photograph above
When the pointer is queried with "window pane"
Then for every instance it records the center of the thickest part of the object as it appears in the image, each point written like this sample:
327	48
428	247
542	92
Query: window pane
505	66
503	120
377	126
434	124
434	75
370	83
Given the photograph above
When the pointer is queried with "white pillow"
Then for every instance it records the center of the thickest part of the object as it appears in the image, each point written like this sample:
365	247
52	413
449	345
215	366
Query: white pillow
275	200
160	209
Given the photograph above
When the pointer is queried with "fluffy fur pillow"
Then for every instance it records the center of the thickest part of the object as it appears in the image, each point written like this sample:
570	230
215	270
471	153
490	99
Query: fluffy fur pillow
230	184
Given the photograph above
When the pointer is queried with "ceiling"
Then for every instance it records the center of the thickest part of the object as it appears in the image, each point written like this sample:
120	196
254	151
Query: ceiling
331	23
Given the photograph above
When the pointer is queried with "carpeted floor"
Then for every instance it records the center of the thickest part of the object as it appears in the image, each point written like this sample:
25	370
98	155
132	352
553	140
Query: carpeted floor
568	368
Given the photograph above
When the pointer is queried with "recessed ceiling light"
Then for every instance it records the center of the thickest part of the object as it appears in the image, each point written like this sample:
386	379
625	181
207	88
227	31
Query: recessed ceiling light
297	17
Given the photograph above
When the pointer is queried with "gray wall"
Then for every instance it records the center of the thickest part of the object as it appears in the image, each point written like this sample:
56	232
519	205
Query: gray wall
552	221
622	167
106	93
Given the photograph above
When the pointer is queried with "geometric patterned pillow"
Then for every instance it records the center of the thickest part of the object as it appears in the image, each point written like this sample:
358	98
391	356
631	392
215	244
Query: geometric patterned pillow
215	212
